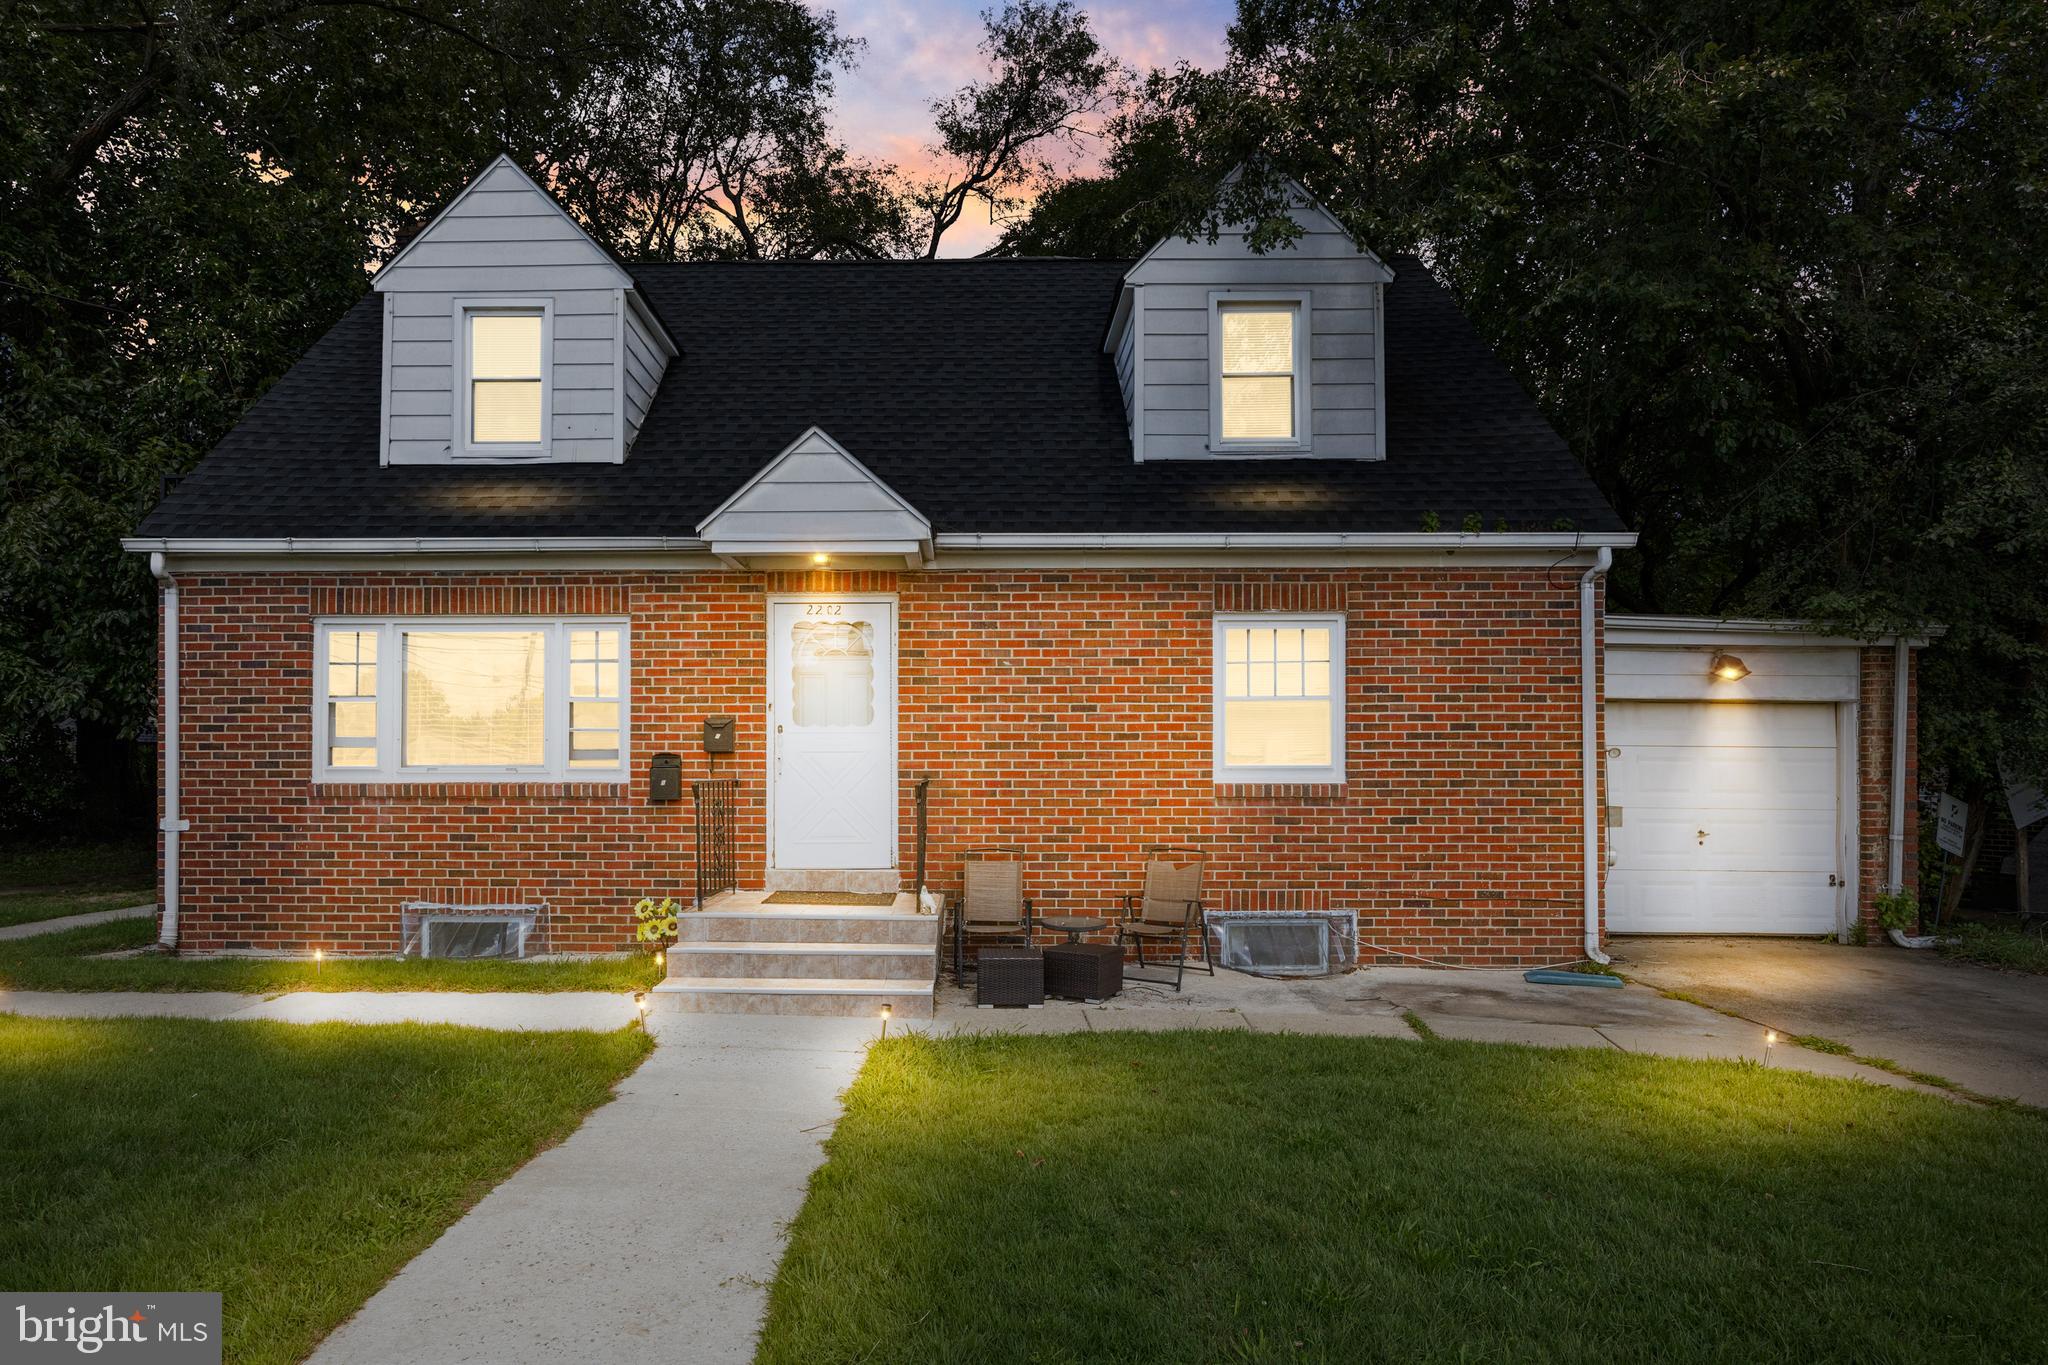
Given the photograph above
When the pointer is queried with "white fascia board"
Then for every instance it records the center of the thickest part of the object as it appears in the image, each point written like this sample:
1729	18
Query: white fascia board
1307	200
1564	541
1124	297
1755	632
645	313
1559	542
408	545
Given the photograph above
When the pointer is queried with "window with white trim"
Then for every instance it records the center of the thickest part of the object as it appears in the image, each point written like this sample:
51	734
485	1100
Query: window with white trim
1279	698
1260	396
505	400
432	699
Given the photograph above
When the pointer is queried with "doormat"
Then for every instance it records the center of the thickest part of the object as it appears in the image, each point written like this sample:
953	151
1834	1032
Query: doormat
831	898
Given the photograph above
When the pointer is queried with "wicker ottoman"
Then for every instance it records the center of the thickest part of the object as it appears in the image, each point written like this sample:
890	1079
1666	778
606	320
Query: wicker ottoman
1009	976
1084	971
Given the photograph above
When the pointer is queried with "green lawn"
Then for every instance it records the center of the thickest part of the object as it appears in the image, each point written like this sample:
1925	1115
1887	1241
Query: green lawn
1233	1197
65	962
294	1168
46	881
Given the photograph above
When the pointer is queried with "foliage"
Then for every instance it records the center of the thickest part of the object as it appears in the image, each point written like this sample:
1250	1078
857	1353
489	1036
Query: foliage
1996	946
1339	1199
72	960
1898	910
140	1157
1771	272
1000	137
656	920
190	196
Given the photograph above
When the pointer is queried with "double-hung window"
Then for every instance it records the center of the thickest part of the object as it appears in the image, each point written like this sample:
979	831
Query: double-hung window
1279	699
505	399
1260	393
517	699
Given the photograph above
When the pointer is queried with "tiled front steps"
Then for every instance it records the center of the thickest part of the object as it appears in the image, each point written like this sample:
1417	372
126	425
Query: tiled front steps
741	956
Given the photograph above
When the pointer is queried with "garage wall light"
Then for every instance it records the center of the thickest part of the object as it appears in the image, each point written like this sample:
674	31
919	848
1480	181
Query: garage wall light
1728	668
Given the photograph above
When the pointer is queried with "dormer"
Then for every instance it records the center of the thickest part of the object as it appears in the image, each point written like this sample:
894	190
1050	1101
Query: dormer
1224	353
510	336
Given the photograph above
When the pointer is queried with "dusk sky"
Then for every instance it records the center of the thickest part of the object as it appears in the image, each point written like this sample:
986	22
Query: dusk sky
920	50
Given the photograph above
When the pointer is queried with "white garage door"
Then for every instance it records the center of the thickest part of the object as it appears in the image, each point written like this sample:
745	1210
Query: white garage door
1723	818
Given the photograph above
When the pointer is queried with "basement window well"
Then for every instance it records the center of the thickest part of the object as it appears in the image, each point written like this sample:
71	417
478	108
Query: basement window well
1276	945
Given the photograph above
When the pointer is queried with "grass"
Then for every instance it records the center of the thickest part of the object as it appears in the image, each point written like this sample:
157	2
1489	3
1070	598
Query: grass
1996	946
1221	1197
294	1168
64	962
47	881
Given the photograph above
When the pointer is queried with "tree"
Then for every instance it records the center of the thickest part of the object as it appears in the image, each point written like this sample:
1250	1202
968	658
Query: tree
1004	137
190	195
1771	272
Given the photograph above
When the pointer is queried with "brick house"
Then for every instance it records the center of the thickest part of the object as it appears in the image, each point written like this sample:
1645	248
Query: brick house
1264	555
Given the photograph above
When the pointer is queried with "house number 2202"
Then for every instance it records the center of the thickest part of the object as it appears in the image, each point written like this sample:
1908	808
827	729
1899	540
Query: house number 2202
825	609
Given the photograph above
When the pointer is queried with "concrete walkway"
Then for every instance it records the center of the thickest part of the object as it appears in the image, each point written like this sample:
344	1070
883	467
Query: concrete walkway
1480	1006
63	922
515	1010
1984	1029
651	1234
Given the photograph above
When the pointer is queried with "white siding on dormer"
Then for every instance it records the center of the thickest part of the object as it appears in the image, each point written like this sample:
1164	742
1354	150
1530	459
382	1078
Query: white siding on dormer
503	238
1172	289
646	360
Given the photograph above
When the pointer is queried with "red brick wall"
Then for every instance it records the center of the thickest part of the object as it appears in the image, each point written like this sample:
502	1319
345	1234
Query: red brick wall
1067	712
1874	778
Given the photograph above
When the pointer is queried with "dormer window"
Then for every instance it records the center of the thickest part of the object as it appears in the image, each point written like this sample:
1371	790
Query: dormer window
1259	397
505	385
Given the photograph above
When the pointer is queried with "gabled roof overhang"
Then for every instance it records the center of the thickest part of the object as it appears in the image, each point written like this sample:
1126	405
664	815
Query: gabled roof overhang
815	499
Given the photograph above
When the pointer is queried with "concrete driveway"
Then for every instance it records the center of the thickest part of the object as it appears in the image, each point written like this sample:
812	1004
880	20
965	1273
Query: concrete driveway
1983	1029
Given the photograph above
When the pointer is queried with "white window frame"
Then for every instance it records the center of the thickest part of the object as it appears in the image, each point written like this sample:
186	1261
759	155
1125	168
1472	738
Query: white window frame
464	446
1332	774
1298	300
391	768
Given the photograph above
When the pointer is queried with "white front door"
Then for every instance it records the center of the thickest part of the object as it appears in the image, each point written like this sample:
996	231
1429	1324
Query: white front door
832	731
1722	818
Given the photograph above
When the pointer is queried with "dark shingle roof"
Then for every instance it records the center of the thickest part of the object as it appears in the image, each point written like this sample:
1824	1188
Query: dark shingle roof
976	389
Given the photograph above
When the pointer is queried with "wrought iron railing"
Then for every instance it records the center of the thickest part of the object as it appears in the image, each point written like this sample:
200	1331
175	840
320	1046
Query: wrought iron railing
923	792
717	862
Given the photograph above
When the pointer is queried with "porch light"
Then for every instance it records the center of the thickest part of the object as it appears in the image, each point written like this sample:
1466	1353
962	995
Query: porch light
821	558
1728	668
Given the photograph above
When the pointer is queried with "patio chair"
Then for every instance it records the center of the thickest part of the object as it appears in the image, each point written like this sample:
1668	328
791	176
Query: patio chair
1168	910
993	906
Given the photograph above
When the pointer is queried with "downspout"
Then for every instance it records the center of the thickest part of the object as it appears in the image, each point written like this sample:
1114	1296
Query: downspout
1901	678
1589	749
171	825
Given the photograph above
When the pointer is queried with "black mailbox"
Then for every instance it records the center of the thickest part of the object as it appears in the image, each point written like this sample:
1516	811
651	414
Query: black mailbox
665	778
718	734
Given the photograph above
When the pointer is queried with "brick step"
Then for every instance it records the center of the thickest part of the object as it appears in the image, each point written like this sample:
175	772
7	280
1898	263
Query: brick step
847	997
800	958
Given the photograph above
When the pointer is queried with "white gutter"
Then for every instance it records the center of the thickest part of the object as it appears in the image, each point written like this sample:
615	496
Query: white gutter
1589	751
1281	540
171	825
972	540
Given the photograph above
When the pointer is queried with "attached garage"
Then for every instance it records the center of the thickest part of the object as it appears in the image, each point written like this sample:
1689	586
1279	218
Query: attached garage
1735	794
1723	818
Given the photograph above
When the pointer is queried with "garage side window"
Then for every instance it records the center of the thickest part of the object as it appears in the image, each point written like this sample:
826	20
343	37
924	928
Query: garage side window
421	700
1279	699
